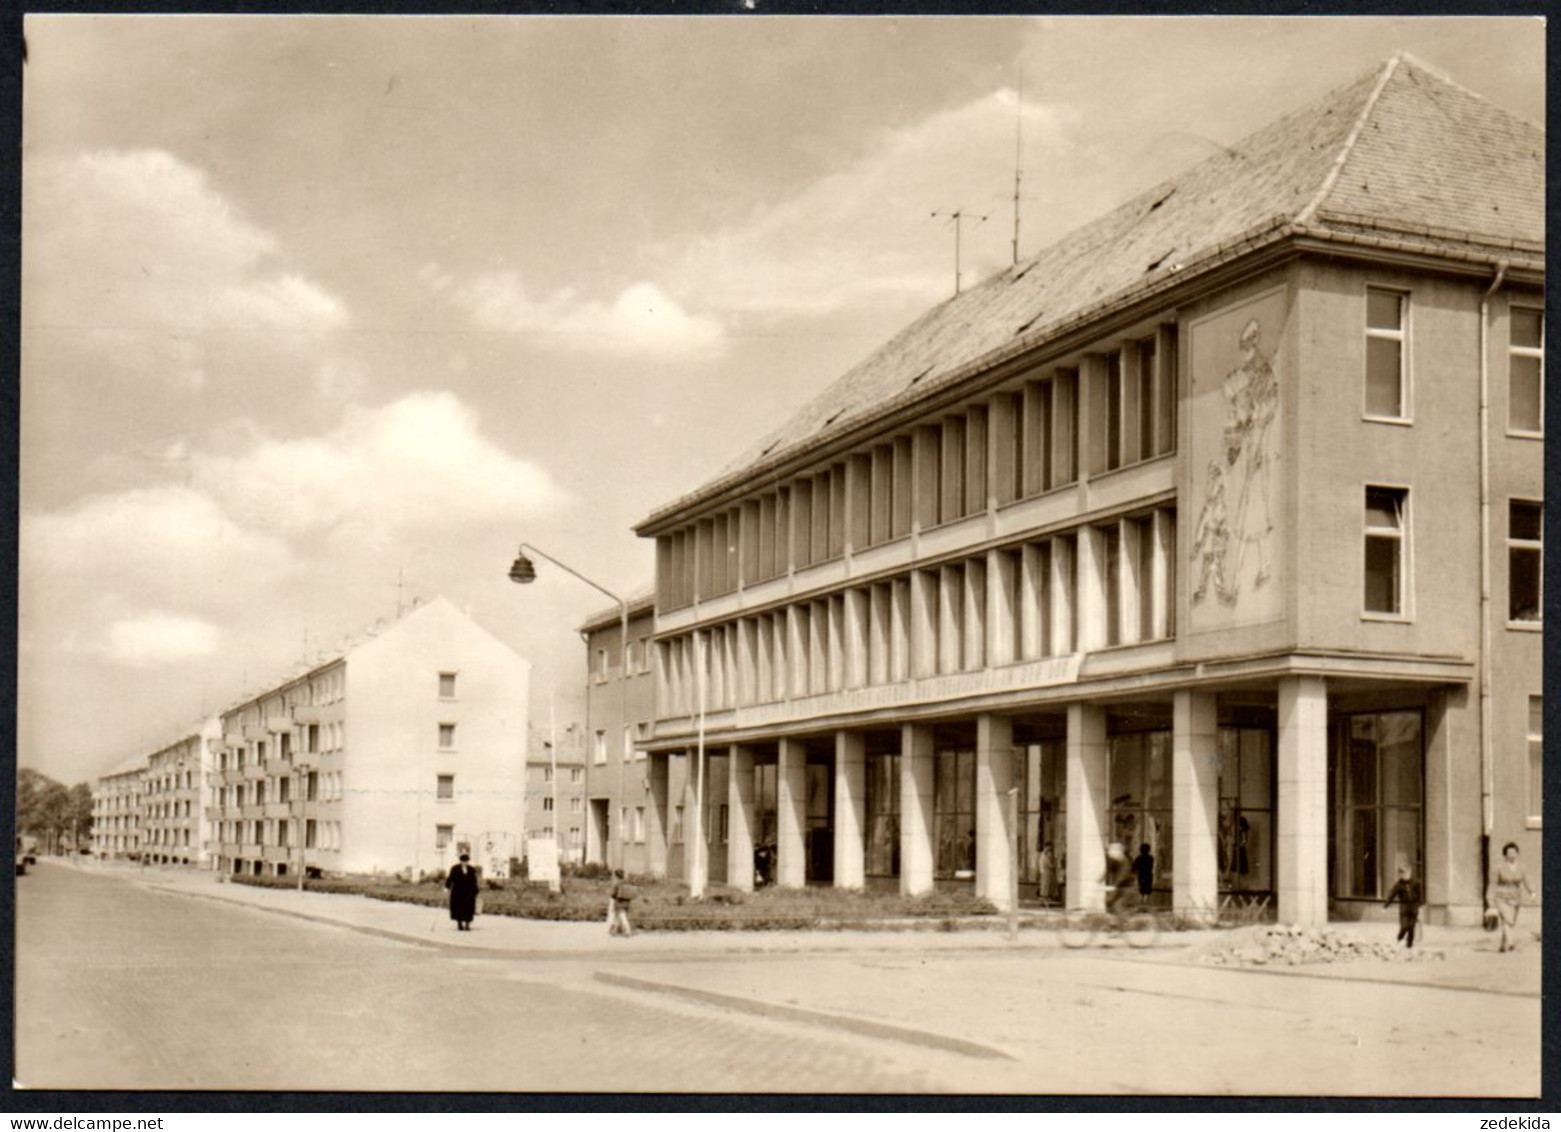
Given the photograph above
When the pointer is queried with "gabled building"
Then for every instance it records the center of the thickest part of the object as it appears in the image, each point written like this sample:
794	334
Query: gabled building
1215	528
394	756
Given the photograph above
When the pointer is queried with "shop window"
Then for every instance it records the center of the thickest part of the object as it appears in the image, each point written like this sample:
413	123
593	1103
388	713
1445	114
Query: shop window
883	815
1526	371
1525	559
1536	760
1138	775
765	785
1246	816
954	814
1386	529
1378	783
1042	771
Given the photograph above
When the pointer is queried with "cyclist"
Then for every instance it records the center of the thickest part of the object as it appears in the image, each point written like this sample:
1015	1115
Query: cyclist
1120	879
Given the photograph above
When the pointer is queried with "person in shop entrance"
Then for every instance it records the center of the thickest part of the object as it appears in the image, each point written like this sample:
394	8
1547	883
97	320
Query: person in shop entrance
1408	894
462	886
1143	868
1508	884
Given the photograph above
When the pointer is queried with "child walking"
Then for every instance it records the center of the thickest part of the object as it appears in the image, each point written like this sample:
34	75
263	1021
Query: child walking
1407	893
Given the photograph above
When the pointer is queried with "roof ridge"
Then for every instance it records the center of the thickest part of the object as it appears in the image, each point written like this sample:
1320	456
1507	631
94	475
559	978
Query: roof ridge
1332	179
1442	76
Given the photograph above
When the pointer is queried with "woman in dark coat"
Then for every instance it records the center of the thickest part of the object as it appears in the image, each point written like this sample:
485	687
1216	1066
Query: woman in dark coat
462	883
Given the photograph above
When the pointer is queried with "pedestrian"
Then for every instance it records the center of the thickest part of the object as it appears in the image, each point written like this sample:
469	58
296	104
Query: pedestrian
1408	894
1048	870
462	885
618	902
1143	865
1508	884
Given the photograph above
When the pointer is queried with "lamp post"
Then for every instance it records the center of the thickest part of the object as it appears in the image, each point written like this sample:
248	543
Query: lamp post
523	572
301	781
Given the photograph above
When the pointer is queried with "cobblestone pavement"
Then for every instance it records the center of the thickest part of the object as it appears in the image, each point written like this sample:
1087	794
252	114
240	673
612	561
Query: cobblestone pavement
379	997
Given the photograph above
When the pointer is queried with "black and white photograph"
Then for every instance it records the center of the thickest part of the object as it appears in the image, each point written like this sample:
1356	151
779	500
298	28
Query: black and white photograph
757	553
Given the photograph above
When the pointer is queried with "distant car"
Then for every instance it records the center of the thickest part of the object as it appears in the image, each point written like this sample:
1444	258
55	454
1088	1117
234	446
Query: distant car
21	859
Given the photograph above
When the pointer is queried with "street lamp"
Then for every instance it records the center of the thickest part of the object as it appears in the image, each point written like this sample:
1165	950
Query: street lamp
523	572
301	779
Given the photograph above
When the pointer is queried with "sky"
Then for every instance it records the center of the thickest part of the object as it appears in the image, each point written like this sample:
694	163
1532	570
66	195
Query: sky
320	315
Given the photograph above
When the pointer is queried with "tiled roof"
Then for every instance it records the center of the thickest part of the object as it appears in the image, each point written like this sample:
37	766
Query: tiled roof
638	602
1402	151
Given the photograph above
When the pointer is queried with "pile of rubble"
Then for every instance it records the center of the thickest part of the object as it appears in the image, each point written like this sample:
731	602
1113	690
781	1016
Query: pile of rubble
1292	946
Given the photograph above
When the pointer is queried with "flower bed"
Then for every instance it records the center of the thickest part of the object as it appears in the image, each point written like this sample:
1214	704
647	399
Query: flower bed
666	906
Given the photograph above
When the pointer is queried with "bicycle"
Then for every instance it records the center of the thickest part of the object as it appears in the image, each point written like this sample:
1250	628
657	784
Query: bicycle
1135	924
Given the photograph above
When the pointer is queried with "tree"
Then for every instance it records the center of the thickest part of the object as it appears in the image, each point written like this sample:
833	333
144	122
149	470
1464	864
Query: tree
47	810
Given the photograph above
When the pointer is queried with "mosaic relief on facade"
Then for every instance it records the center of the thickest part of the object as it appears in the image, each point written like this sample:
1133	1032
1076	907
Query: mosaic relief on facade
1234	556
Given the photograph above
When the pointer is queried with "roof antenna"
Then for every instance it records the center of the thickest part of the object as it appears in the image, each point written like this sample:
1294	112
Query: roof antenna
1018	157
958	217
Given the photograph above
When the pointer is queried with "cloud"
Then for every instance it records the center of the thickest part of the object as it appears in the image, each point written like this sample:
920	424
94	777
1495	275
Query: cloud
865	235
150	543
642	320
134	257
420	464
155	639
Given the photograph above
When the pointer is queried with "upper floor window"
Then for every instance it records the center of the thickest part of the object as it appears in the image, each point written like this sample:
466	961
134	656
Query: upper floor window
601	666
447	685
1387	392
1386	551
575	774
599	752
1525	559
1526	371
446	736
445	787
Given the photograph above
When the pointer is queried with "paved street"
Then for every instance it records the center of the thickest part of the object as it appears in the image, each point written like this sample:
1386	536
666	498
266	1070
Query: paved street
129	980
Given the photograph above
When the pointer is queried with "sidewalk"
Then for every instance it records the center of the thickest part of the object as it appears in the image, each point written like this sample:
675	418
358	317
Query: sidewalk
1469	959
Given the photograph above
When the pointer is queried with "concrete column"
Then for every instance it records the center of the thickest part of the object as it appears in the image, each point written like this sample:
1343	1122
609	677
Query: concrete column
951	598
1001	615
796	651
1062	596
1086	805
924	622
740	818
855	631
973	652
791	801
1302	878
1091	589
1128	584
994	776
850	809
1032	592
1161	574
916	784
696	853
879	617
1195	804
656	818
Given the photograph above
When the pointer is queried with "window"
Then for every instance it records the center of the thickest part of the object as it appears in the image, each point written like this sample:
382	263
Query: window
644	654
314	738
628	743
286	748
446	736
446	691
281	832
1385	550
260	792
599	750
1526	371
443	835
1385	385
446	788
883	816
1377	783
576	805
623	823
1525	559
954	813
628	658
1536	759
284	789
639	824
677	825
547	774
601	666
313	786
575	774
547	805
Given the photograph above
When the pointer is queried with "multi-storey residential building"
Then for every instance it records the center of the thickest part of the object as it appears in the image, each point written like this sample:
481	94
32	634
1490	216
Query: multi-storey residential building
394	756
116	810
1215	527
175	797
556	789
620	703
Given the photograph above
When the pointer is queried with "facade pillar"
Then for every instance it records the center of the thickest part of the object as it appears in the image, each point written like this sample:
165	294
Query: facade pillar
656	823
1302	878
1195	805
1001	616
696	850
1064	564
850	809
1087	788
740	818
994	776
1091	588
916	784
791	800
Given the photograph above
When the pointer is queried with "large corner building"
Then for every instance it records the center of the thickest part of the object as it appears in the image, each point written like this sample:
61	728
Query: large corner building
1215	527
